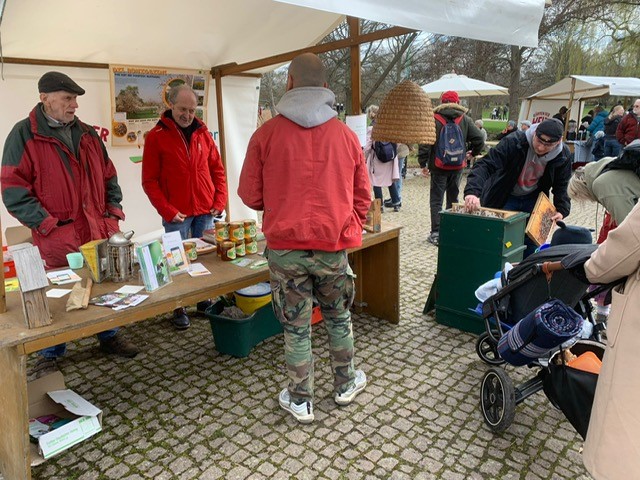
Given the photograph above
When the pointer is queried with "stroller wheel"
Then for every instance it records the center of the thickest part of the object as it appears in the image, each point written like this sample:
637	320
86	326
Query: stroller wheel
487	350
497	399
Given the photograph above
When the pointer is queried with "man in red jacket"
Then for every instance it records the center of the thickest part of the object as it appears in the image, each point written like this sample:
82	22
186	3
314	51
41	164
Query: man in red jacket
58	180
182	174
305	169
629	127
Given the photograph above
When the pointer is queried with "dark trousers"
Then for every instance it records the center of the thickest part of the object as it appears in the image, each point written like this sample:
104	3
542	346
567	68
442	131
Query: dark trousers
393	192
441	183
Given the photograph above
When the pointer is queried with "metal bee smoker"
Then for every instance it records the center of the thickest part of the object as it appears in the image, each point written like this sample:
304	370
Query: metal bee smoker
120	256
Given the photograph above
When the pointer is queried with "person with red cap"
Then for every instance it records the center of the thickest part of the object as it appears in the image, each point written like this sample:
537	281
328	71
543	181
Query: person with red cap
445	178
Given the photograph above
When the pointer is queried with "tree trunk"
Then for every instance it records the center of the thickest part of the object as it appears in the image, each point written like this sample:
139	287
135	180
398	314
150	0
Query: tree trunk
514	81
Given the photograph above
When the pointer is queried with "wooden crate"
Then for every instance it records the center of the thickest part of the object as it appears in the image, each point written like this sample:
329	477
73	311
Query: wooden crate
482	211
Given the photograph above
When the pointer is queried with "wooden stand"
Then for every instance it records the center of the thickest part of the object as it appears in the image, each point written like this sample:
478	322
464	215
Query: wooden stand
375	264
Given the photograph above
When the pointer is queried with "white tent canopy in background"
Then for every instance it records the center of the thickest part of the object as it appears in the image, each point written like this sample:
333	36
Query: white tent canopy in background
510	22
463	86
547	102
200	34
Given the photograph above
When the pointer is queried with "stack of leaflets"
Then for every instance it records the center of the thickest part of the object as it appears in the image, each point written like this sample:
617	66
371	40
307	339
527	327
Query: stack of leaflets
118	301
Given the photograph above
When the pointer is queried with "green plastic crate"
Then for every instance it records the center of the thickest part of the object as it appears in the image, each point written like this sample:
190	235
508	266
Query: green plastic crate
236	337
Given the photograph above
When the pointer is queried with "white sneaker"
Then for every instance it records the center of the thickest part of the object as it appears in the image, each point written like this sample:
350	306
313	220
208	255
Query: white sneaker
303	412
359	383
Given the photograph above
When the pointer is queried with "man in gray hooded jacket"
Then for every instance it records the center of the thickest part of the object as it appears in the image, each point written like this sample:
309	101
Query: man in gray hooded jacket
305	170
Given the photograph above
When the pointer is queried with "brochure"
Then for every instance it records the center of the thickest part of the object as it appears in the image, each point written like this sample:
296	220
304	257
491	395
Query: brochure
177	260
153	265
62	277
118	301
198	269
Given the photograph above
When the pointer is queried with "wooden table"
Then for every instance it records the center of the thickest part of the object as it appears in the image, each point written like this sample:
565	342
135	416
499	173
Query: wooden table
376	264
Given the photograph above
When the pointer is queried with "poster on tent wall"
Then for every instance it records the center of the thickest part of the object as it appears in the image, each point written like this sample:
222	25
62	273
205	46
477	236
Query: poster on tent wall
139	97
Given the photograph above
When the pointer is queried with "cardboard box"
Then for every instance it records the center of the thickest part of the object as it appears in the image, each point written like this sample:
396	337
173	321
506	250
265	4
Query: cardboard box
47	395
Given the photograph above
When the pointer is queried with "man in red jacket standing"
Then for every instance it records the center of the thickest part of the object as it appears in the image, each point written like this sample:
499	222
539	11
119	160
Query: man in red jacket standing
58	180
305	169
183	175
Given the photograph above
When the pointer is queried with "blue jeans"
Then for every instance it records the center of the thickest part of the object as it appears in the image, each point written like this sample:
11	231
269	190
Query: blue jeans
192	227
402	163
58	351
611	146
523	204
377	193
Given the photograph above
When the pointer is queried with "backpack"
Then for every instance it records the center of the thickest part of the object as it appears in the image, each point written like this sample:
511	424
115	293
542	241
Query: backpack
451	149
385	151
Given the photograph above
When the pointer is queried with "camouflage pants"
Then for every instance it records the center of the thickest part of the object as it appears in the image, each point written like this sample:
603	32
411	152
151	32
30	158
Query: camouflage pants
297	276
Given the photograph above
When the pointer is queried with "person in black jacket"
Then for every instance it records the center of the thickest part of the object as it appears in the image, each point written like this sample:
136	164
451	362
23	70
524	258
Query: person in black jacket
522	165
447	181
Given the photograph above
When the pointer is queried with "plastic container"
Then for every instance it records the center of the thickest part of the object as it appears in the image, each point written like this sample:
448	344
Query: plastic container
8	264
588	362
75	259
251	298
236	337
316	315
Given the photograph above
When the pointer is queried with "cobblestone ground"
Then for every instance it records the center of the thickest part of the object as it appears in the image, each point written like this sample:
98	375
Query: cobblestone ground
182	411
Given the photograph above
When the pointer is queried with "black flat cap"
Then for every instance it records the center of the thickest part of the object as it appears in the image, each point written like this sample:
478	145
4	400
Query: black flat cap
552	128
56	82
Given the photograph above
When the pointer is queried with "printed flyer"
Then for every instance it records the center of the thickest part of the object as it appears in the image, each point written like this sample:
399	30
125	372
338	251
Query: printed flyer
139	97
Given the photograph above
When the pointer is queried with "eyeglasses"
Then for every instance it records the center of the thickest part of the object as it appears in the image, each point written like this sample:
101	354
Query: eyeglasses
546	143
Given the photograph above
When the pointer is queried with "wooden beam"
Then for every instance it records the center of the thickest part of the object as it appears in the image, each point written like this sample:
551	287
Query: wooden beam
232	69
221	140
354	52
54	63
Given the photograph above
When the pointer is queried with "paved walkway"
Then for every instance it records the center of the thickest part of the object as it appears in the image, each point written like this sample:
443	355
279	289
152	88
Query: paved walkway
182	411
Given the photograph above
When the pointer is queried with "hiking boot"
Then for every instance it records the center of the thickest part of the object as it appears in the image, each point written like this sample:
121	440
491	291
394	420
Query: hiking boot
434	238
180	319
359	382
119	345
43	367
201	307
302	412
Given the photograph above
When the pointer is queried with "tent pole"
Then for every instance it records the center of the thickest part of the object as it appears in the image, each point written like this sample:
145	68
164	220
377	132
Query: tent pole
566	119
528	109
221	139
354	52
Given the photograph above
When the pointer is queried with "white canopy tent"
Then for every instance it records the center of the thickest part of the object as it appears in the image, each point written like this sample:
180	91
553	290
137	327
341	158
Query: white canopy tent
571	92
463	86
477	19
81	37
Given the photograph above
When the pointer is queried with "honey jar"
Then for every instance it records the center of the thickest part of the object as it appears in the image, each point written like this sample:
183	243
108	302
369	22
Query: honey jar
236	231
240	250
250	230
228	251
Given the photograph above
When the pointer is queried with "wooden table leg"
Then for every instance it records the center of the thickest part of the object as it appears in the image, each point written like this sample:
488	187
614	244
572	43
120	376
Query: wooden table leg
14	416
378	283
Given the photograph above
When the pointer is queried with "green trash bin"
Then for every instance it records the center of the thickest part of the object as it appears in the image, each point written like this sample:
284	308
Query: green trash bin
472	249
